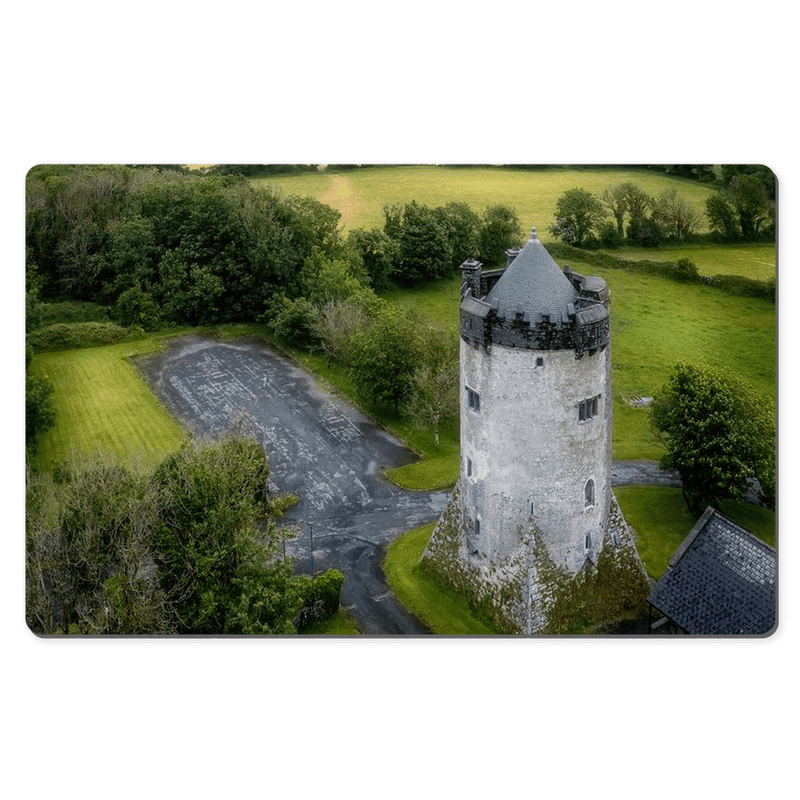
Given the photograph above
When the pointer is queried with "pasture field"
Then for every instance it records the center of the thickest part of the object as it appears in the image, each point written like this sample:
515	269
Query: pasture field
361	194
756	261
103	404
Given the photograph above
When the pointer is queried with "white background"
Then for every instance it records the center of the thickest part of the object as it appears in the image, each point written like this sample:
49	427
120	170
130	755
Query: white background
358	82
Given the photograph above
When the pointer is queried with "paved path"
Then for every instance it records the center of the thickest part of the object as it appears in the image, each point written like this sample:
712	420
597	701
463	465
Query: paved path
640	473
320	447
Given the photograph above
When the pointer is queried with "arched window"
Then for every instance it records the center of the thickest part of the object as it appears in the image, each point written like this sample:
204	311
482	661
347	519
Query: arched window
588	493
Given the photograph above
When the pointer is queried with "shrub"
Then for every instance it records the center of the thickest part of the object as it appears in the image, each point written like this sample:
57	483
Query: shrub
295	320
610	237
744	287
72	311
70	336
137	307
686	270
322	598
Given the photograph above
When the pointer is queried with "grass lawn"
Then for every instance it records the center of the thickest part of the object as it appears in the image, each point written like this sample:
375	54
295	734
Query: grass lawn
662	520
441	609
103	404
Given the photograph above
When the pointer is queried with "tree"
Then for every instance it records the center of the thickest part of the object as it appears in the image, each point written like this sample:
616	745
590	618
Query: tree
675	216
638	203
579	215
40	408
186	548
717	433
434	394
336	324
424	246
378	254
216	551
89	564
721	217
750	202
500	230
615	200
384	357
463	227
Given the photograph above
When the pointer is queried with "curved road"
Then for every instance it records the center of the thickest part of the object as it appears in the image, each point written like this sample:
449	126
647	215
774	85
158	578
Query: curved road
322	448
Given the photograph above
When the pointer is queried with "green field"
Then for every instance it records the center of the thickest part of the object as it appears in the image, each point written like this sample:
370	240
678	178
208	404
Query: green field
103	404
755	261
360	194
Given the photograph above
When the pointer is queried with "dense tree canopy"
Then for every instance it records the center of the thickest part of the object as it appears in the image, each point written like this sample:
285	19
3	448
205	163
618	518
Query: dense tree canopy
164	247
187	548
718	434
579	215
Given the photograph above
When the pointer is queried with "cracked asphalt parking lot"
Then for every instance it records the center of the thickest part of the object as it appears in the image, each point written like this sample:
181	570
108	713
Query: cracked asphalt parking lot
319	446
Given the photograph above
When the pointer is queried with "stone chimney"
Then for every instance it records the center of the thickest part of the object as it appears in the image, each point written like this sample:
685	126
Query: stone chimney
471	277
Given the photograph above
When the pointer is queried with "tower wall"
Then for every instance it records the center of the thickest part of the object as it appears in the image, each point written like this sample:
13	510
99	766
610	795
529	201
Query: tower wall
526	451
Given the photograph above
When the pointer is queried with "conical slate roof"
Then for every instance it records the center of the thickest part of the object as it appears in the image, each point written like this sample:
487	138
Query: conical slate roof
532	285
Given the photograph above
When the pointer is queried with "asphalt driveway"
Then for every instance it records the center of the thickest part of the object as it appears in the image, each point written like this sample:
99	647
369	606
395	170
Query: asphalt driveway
320	447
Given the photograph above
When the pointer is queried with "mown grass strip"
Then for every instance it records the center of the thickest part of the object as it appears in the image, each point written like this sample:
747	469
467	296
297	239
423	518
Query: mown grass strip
102	403
441	609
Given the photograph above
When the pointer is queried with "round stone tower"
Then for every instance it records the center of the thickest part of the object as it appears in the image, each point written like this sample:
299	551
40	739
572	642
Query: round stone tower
535	407
534	505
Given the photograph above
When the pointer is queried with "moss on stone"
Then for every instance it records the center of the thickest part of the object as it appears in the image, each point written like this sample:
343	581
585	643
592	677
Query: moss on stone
527	592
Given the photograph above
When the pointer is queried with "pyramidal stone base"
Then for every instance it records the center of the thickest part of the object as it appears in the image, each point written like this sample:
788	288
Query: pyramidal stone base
526	592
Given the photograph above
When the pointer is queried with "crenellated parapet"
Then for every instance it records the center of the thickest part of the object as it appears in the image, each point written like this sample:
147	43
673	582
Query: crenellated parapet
583	326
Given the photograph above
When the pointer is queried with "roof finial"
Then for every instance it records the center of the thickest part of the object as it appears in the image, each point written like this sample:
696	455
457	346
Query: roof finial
533	234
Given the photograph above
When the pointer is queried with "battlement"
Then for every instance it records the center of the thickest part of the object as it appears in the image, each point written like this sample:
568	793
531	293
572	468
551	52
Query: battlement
583	326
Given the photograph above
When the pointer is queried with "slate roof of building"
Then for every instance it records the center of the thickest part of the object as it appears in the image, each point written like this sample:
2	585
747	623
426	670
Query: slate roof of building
721	580
533	284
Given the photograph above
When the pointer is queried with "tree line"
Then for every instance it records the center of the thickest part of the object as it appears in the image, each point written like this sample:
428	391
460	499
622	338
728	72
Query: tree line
743	209
162	247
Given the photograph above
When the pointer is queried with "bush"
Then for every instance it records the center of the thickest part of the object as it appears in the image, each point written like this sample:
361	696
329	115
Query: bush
70	336
136	307
322	598
744	287
645	232
295	320
72	311
686	270
610	237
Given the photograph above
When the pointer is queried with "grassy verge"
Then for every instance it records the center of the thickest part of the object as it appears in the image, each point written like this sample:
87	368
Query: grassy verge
438	607
662	520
